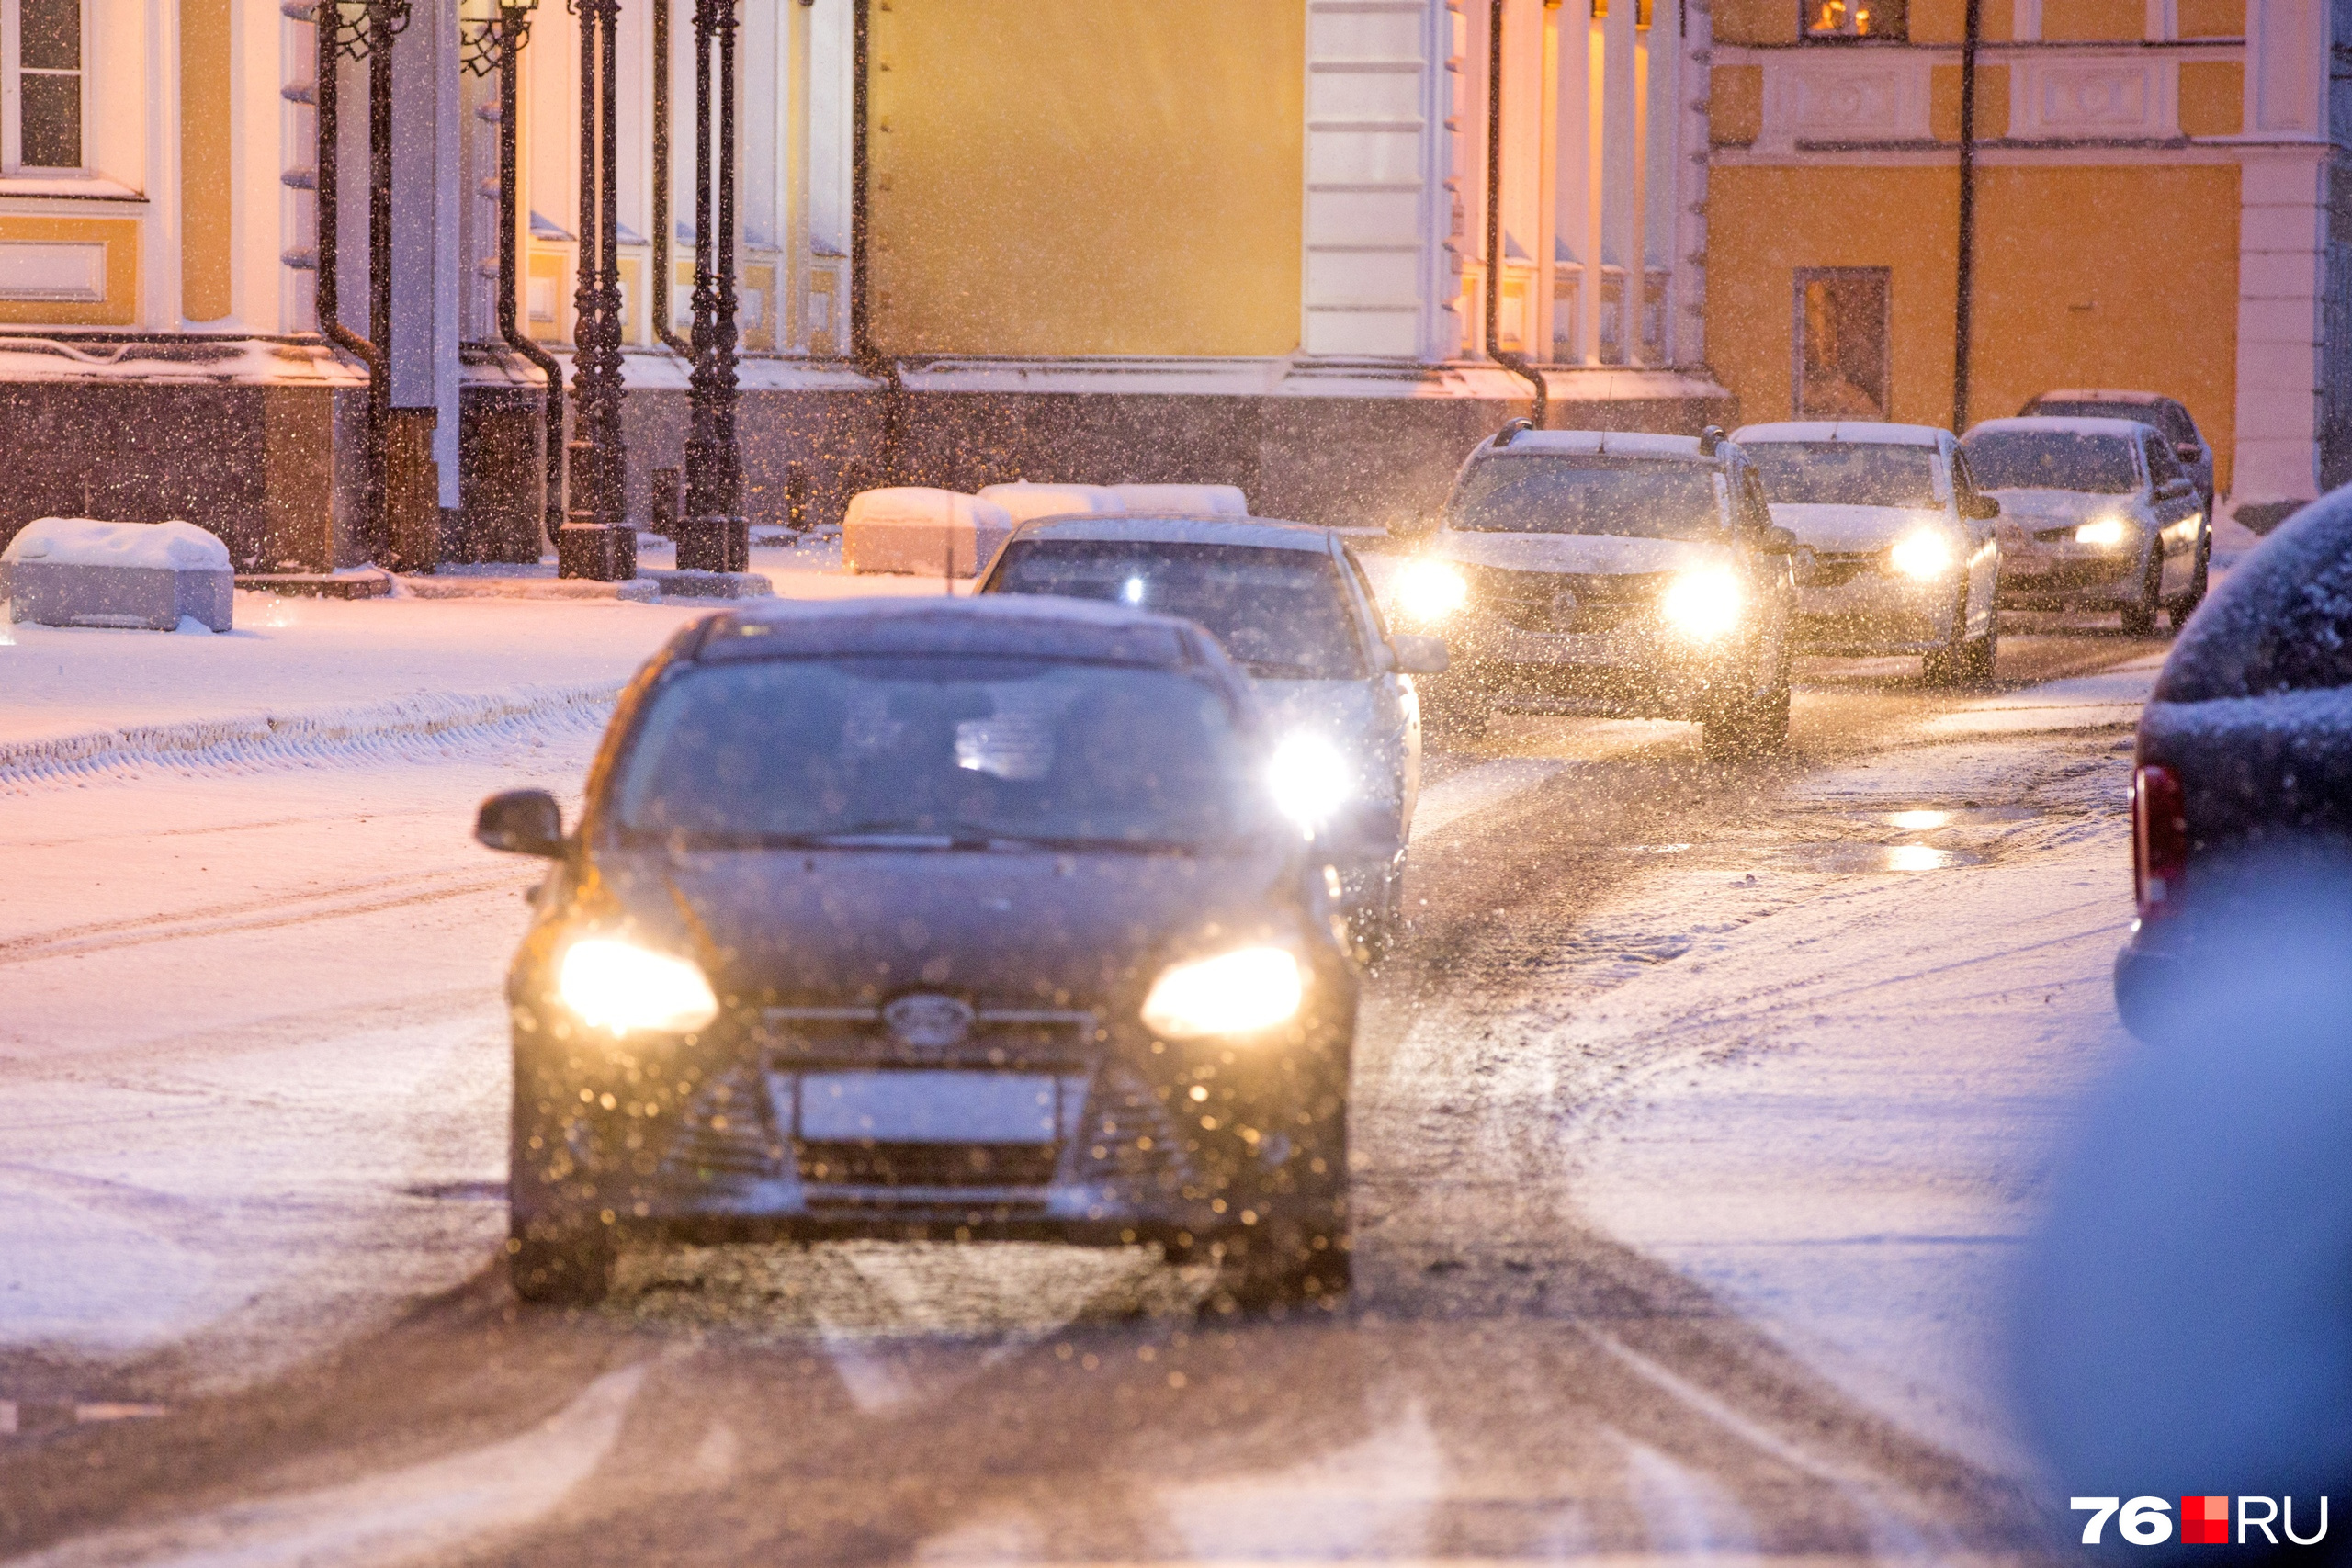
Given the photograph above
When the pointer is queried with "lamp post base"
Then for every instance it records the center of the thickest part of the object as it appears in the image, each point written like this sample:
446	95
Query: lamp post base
715	542
595	552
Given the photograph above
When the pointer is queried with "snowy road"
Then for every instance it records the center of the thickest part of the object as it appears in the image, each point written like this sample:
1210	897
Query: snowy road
1698	1118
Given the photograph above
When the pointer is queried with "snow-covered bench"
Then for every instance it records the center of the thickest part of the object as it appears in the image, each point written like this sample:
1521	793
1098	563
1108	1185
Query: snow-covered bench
78	571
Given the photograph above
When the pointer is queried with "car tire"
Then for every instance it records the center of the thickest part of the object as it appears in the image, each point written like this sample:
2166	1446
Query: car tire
1983	655
2139	618
1297	1255
2201	578
1948	665
557	1264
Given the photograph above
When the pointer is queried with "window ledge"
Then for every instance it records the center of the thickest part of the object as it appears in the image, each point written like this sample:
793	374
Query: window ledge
67	188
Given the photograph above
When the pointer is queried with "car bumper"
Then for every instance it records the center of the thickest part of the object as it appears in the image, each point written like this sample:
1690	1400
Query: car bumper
1627	673
1876	613
2046	576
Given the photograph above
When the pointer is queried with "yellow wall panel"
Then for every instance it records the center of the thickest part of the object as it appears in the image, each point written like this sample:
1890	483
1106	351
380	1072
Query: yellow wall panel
1735	105
1088	177
1945	22
2212	97
205	116
2103	276
1756	21
2086	20
2211	19
119	305
1992	102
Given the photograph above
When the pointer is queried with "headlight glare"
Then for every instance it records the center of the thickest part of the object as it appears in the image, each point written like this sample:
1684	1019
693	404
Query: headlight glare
614	985
1703	605
1429	589
2104	532
1925	554
1234	993
1310	779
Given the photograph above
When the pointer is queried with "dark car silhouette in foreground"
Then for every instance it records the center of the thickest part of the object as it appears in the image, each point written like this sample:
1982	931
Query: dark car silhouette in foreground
933	919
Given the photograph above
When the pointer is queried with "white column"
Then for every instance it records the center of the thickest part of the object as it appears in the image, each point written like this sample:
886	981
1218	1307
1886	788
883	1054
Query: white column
426	181
1687	284
2280	242
1621	127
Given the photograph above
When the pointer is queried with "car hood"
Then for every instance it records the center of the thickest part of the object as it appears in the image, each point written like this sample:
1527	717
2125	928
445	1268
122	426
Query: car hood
1013	927
2034	507
1850	529
1587	554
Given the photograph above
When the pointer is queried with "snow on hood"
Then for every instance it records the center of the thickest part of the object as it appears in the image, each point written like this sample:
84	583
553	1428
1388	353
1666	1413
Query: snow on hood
85	541
1851	528
1597	554
2281	621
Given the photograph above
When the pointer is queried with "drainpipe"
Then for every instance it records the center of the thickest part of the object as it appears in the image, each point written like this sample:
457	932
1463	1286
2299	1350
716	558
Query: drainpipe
663	226
327	22
1514	363
514	23
1964	303
870	360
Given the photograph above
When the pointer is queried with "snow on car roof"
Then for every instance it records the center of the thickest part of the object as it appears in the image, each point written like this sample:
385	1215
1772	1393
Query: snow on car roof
2281	621
2127	429
2095	395
1599	443
1863	432
1265	532
1026	626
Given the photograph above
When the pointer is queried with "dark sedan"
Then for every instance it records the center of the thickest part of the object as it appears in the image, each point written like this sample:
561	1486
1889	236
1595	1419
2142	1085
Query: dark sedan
934	918
2242	786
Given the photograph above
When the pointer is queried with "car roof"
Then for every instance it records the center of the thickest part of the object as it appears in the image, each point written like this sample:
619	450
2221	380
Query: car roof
1862	431
1263	533
1602	442
2081	395
1074	630
2128	429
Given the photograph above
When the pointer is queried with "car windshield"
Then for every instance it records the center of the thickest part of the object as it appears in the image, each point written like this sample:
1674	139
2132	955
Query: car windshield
2170	420
1638	498
968	750
2051	460
1281	614
1844	473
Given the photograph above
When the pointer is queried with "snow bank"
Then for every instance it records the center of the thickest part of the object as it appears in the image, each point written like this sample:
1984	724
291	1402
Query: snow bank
85	541
1026	502
930	532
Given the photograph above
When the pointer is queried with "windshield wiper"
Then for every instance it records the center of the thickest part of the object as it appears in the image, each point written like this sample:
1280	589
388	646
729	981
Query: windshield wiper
1268	670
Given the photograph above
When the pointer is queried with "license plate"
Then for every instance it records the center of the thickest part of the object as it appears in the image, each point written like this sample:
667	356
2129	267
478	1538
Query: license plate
920	1107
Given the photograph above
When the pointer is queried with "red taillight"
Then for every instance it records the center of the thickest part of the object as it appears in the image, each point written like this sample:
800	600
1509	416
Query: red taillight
2159	842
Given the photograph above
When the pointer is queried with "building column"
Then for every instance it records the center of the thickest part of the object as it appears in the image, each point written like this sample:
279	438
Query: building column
2281	238
421	470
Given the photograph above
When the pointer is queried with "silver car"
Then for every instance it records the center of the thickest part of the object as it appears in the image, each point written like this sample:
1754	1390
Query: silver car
1896	551
1291	605
2097	513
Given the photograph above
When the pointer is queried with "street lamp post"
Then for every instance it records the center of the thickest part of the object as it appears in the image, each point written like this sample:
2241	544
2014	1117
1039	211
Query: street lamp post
595	540
716	535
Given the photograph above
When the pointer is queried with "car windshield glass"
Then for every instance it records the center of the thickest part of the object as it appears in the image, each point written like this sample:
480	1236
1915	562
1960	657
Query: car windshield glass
1844	473
2171	421
2051	460
964	748
1281	614
1628	497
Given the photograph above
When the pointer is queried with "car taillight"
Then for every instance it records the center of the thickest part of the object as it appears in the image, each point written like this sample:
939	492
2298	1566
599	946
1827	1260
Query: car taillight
2159	842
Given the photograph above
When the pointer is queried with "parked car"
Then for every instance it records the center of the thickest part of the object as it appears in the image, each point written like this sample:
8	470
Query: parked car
2168	416
2096	514
1896	551
1585	571
2243	768
1291	605
891	918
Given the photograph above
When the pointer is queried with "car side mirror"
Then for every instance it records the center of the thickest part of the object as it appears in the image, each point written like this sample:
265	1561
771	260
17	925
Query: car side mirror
522	822
1775	541
1980	508
2190	452
1420	655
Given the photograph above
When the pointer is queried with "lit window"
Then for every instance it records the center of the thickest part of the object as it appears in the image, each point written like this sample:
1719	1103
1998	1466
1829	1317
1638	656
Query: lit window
1853	18
40	84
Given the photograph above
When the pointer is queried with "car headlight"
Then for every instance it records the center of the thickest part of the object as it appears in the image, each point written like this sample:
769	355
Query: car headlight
2104	531
618	986
1311	780
1703	605
1431	589
1234	993
1925	554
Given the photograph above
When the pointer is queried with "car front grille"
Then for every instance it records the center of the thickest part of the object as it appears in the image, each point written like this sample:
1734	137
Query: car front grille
1564	601
1836	569
927	1164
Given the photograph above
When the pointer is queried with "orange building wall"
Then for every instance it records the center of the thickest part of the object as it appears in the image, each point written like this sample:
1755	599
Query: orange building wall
2105	277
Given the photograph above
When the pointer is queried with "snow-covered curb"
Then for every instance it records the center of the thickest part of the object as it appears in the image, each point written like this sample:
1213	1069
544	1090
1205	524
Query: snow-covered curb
331	734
